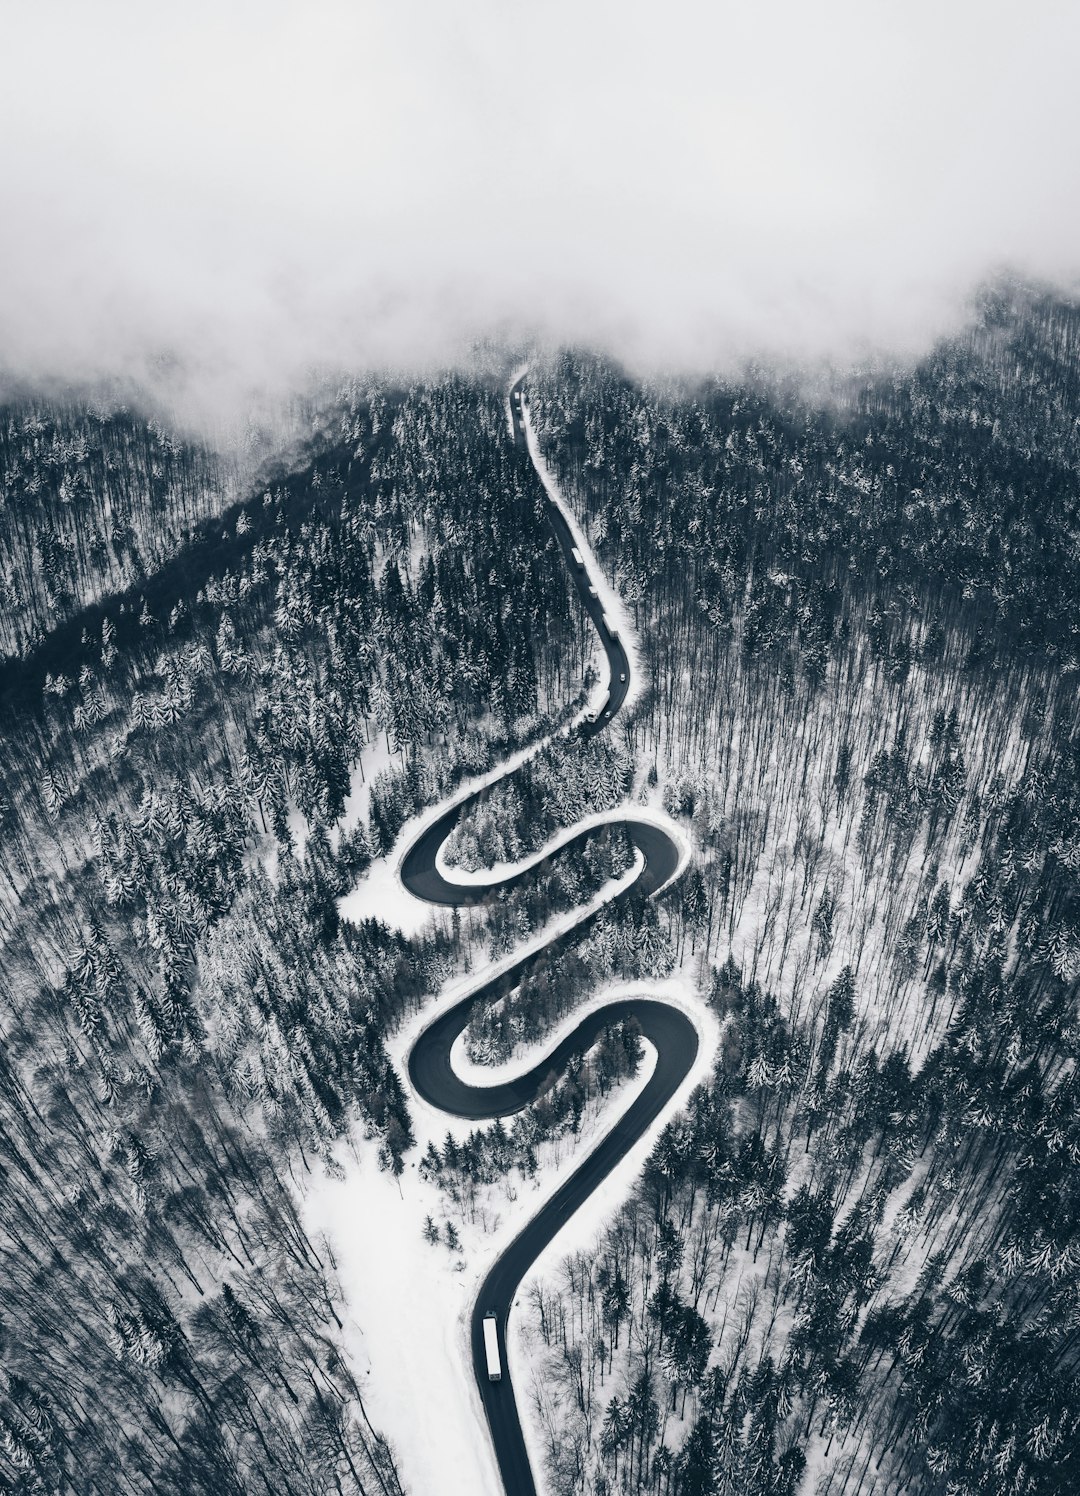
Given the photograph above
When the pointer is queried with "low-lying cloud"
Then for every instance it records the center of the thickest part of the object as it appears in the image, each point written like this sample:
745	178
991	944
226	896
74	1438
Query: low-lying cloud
249	189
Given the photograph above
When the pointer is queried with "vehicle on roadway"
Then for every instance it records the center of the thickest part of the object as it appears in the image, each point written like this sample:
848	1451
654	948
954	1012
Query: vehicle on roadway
491	1346
576	555
592	591
622	677
611	627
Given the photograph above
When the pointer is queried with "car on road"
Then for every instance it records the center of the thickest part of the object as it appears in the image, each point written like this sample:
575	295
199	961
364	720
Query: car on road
622	677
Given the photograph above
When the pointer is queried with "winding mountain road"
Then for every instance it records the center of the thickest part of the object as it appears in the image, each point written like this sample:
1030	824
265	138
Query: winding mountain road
431	1073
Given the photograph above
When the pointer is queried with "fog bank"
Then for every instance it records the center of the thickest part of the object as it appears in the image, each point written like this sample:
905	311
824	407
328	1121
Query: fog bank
242	190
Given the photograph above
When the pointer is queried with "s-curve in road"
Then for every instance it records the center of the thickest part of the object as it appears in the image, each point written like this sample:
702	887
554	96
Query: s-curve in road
673	1035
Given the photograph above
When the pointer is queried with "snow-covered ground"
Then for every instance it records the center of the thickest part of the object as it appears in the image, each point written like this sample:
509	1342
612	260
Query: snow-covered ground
380	894
414	1298
299	830
375	760
407	1307
409	1301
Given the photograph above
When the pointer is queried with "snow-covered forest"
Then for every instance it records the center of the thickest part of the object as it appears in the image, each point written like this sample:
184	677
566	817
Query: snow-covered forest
187	1023
852	1263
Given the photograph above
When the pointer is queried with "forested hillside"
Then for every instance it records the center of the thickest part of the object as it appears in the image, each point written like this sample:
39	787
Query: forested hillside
96	498
853	1265
187	1023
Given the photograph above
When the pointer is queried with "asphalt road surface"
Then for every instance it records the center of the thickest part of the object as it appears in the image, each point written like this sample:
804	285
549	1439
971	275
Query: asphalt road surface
669	1030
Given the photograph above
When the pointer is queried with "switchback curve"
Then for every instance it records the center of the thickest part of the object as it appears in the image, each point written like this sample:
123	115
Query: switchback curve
429	1065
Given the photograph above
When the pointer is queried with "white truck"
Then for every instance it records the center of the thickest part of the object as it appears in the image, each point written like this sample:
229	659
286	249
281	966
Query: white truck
576	555
611	626
491	1346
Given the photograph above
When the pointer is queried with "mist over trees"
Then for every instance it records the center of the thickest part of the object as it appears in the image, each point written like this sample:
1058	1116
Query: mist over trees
852	1263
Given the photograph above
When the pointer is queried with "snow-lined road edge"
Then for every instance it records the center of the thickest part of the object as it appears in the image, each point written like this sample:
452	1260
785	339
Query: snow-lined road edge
423	865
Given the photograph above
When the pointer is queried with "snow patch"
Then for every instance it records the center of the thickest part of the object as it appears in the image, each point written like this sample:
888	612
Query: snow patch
374	760
299	830
412	1300
380	894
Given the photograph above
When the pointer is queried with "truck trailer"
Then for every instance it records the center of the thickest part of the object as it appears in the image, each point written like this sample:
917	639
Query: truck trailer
576	555
491	1346
611	626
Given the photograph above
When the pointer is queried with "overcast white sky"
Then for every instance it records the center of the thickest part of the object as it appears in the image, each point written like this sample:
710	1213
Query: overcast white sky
256	186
